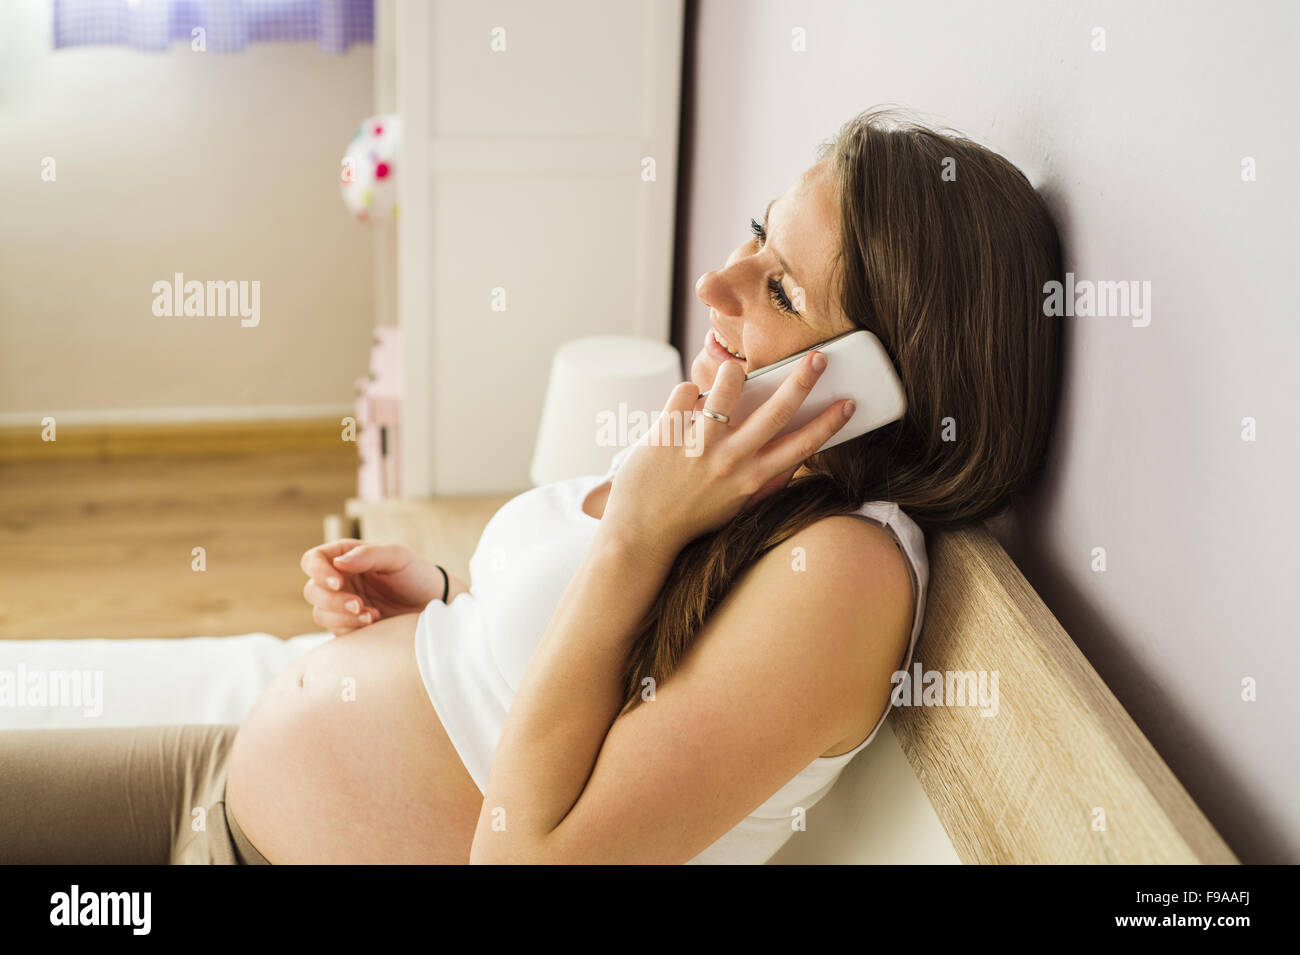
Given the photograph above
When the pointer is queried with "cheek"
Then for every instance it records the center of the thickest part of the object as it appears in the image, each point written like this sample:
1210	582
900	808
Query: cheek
765	344
770	343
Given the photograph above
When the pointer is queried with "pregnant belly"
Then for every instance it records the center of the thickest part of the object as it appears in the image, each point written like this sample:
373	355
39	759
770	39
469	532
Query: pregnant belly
343	760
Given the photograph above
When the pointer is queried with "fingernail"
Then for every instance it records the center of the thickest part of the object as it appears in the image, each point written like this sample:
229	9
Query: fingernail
365	618
353	606
850	406
348	556
818	361
334	583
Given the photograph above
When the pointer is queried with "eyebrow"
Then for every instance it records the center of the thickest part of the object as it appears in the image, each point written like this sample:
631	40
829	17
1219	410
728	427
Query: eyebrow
784	266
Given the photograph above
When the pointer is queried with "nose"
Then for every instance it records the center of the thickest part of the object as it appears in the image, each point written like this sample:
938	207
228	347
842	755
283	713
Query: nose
713	289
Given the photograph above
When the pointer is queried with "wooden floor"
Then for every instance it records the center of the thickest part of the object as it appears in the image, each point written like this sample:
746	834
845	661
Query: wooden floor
103	548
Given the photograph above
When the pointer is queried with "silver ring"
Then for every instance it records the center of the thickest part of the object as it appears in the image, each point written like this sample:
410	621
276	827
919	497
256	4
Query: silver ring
715	415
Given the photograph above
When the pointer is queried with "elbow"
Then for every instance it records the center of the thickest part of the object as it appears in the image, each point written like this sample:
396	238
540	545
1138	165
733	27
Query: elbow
486	851
511	849
497	849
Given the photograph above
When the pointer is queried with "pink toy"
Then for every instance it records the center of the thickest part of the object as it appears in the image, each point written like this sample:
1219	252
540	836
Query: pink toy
379	404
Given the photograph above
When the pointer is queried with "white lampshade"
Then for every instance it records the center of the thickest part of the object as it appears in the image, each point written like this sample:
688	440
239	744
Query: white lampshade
601	389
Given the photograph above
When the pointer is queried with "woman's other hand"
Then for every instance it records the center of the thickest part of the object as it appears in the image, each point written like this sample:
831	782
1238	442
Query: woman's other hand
351	584
691	474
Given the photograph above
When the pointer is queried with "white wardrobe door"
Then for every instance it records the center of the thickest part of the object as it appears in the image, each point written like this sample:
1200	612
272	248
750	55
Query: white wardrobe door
544	139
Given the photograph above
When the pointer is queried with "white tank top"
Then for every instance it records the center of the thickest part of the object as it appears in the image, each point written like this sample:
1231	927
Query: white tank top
472	652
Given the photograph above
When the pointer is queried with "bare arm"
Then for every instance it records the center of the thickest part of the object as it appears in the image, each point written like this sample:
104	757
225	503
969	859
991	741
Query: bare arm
458	587
566	702
571	780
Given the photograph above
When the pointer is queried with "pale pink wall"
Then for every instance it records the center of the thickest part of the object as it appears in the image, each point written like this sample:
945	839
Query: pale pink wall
1138	149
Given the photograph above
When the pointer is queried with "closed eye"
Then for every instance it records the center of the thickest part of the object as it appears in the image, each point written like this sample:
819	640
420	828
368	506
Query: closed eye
775	291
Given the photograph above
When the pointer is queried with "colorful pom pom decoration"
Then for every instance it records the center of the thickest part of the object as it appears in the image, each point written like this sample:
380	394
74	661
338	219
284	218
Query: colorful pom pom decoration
366	178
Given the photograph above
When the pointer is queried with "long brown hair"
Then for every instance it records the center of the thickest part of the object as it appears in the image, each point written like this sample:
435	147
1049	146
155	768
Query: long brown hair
945	249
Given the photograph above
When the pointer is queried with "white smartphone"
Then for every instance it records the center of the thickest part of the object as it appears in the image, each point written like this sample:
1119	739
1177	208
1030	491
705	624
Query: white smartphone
857	367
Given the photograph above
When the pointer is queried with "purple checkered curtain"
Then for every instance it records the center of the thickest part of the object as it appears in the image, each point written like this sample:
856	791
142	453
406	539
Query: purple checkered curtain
228	25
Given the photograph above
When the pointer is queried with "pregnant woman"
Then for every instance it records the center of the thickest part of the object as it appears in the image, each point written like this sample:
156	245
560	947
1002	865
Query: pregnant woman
670	662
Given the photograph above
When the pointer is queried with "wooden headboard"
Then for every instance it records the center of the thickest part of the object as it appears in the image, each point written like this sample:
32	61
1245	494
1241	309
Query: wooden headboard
1061	774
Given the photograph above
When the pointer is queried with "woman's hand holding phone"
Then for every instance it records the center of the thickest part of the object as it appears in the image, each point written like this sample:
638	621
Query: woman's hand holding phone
351	584
678	484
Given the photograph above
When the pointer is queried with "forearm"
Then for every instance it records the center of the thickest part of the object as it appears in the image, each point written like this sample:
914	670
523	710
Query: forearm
430	572
455	589
570	695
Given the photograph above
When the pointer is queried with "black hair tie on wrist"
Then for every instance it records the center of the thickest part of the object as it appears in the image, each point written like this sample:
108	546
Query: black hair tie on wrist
446	582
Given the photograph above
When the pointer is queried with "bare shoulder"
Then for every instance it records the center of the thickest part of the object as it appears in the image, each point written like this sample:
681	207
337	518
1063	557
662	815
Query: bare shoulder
837	596
853	557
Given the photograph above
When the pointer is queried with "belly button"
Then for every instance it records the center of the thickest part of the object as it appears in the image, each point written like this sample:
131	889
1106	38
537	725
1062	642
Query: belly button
302	679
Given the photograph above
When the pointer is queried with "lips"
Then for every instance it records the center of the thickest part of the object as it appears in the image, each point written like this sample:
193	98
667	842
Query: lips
716	351
718	341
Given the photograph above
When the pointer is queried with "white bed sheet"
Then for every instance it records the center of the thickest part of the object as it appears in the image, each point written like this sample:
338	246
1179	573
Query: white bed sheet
140	682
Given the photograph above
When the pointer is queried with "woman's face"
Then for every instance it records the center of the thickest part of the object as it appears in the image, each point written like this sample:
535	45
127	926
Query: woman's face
774	296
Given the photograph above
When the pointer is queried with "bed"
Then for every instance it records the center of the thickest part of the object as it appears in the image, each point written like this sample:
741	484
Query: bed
1061	774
